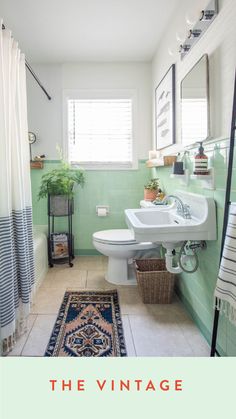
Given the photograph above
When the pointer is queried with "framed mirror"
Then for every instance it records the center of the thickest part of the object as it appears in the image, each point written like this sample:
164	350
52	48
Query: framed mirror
195	124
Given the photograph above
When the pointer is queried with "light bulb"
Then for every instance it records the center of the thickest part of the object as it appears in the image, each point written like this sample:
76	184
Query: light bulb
181	35
192	17
172	50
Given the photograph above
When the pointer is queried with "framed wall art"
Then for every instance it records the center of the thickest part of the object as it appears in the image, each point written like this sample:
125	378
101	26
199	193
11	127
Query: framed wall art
165	110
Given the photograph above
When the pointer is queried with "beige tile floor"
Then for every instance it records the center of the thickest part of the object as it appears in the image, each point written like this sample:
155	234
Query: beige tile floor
150	329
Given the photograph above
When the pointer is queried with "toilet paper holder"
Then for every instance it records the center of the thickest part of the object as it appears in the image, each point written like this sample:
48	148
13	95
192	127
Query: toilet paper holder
102	210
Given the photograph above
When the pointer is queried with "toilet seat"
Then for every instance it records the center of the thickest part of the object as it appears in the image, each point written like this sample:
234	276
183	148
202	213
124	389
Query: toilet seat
117	237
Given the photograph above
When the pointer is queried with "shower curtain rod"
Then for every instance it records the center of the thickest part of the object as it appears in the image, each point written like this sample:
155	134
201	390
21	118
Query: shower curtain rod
28	66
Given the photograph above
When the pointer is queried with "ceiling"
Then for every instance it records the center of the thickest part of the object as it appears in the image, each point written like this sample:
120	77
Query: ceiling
57	31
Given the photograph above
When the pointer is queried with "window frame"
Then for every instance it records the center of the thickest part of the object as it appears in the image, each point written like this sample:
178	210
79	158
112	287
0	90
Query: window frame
102	94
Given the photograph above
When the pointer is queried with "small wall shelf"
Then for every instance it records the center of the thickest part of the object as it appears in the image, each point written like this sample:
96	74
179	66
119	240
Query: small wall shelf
164	161
154	163
184	178
208	181
35	164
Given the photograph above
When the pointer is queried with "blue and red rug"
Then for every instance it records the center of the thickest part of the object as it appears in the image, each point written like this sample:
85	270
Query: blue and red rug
88	324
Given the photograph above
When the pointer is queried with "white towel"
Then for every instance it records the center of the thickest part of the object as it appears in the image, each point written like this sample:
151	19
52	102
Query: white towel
225	291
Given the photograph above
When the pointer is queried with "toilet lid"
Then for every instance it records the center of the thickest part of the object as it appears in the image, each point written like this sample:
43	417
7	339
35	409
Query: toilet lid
117	236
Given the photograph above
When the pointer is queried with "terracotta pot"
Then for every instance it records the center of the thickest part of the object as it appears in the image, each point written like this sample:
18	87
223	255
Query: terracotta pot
150	194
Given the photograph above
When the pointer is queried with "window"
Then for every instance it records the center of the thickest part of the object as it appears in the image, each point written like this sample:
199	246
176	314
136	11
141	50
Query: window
100	130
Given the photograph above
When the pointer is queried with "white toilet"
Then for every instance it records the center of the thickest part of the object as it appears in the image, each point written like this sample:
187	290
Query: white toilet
119	246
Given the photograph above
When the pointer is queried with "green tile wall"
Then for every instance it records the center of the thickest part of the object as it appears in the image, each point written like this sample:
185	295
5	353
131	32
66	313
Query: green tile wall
123	189
119	189
196	290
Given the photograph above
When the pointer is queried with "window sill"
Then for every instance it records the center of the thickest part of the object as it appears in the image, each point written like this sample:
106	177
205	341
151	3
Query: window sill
105	166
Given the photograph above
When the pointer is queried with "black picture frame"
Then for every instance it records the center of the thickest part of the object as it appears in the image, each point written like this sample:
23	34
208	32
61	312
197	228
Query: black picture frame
165	110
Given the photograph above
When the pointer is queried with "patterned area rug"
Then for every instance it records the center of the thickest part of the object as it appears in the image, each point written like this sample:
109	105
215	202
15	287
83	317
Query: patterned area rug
88	324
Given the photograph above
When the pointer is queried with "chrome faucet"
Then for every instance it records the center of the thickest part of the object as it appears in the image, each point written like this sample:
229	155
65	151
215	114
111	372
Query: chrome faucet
182	209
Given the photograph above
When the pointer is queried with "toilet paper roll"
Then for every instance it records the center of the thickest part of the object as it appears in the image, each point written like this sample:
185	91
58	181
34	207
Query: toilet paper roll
102	212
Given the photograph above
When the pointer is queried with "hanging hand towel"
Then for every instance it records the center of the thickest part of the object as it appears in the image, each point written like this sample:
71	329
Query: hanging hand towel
225	291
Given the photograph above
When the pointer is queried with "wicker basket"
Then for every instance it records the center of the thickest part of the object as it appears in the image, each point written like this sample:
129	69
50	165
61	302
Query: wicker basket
155	283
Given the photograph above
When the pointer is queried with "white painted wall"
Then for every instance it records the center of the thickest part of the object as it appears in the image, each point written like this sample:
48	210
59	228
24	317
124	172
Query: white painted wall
45	117
219	42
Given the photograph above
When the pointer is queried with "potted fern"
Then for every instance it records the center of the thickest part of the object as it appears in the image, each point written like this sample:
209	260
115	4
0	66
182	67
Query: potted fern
58	186
151	189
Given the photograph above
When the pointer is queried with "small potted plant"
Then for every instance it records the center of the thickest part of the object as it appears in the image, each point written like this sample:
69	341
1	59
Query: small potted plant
151	189
58	185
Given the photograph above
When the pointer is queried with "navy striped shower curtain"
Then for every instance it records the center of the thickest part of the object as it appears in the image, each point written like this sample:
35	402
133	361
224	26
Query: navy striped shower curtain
16	239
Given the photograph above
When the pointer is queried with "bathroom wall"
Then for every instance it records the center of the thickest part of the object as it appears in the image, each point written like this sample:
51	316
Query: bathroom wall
196	290
45	117
118	189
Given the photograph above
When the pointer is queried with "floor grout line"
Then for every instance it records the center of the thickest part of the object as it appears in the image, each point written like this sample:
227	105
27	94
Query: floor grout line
132	336
29	333
86	280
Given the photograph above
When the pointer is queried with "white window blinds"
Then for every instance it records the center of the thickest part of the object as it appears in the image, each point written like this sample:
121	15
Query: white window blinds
100	131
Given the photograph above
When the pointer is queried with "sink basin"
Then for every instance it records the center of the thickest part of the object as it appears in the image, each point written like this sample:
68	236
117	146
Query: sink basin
162	224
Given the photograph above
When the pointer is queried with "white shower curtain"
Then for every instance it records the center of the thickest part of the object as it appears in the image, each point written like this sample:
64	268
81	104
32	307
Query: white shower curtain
16	239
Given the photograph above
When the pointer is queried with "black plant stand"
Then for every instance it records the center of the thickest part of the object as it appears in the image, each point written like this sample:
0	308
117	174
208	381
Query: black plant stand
60	206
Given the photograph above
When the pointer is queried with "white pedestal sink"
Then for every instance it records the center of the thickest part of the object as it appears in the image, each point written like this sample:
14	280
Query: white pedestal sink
163	224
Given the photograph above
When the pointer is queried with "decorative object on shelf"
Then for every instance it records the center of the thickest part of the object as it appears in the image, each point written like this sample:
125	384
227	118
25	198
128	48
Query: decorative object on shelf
205	18
165	110
161	161
160	196
153	154
201	162
178	168
39	158
151	190
169	160
32	139
195	104
37	162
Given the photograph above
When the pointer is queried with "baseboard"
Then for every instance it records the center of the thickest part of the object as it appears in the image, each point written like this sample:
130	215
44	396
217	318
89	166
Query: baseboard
86	252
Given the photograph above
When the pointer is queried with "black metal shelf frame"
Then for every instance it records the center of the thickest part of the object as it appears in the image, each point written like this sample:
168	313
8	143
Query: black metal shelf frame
51	230
214	351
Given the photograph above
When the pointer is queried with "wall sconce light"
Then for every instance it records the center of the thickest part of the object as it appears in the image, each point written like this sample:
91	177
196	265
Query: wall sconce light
194	33
200	21
184	48
207	14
